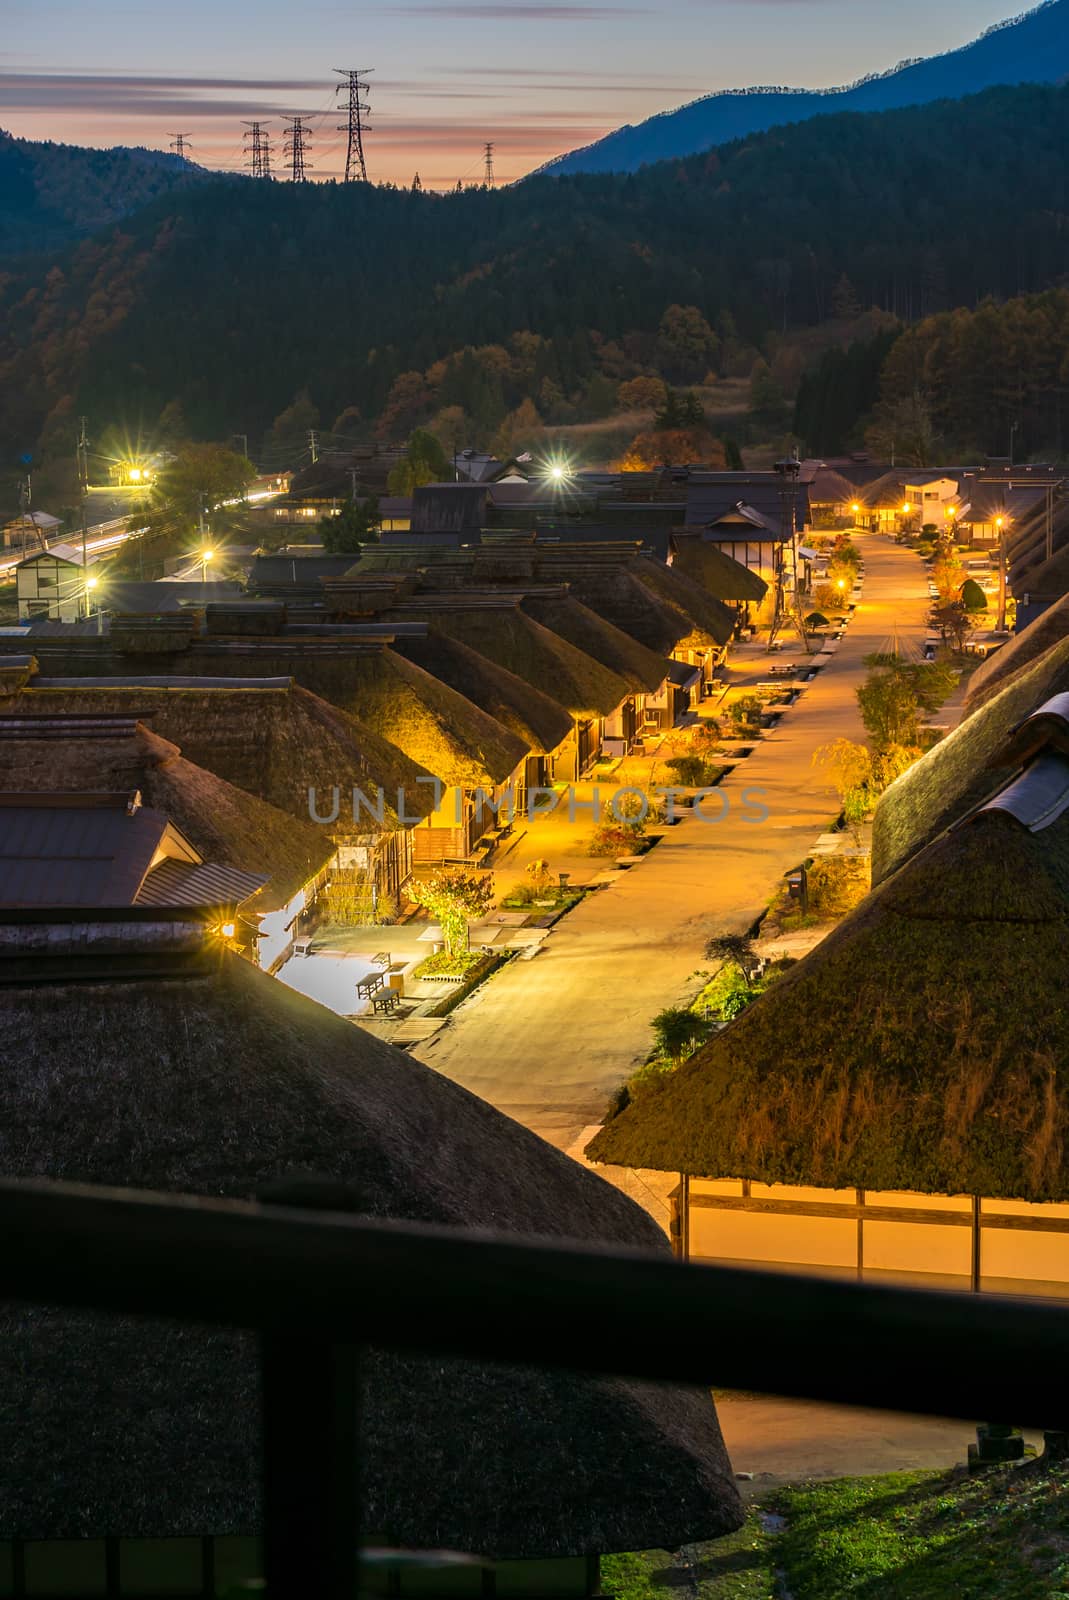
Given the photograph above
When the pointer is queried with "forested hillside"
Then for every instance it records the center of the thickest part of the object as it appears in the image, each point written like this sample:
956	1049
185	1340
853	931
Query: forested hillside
229	302
53	193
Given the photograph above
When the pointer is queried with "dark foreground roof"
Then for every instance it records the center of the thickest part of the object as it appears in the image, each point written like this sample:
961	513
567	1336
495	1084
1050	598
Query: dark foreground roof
923	1046
218	1084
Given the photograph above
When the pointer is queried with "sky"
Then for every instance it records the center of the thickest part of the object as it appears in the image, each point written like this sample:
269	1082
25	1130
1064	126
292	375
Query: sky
536	79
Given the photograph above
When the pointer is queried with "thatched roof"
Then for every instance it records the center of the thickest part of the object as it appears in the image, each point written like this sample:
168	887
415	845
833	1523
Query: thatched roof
1049	628
712	622
541	722
714	571
641	669
275	742
964	769
219	1085
499	630
225	824
924	1045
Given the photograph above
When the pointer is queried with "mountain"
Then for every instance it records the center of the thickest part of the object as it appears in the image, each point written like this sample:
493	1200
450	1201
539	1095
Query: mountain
1032	48
53	193
229	300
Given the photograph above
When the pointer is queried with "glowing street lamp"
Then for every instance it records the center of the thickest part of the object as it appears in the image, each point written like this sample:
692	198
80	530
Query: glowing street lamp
205	557
90	585
1000	524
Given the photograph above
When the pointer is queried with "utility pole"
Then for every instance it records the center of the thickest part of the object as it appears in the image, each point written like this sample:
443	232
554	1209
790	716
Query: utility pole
257	144
313	444
355	126
488	178
297	137
83	481
244	443
788	600
178	145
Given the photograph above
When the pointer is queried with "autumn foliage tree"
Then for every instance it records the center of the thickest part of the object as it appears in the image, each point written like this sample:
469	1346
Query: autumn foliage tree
452	896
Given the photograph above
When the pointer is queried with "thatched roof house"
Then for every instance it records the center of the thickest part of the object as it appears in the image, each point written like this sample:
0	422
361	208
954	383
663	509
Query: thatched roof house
115	754
533	716
964	769
659	607
219	1082
495	626
1049	628
712	622
271	738
554	608
715	571
892	1057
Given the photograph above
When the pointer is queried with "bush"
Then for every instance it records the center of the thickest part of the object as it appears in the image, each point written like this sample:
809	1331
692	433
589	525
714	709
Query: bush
615	839
694	772
443	965
746	712
837	884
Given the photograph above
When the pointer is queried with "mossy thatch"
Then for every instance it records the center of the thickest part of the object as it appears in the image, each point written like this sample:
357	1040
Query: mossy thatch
1049	629
641	669
962	770
923	1046
541	722
712	622
224	823
224	1083
277	743
509	637
715	571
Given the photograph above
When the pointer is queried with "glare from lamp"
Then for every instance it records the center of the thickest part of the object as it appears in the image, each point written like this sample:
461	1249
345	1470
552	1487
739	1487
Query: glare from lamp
207	555
906	509
227	930
135	474
841	584
91	583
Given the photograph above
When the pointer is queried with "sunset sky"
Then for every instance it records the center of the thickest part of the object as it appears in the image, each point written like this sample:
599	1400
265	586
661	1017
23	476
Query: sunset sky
537	79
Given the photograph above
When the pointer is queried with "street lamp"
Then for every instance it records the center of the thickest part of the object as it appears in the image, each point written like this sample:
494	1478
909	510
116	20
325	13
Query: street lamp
90	585
1000	524
205	557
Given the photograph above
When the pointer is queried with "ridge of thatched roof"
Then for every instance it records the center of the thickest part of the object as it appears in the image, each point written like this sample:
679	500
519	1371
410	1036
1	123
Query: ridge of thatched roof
964	769
719	574
276	743
890	1057
712	622
506	635
540	721
555	608
225	824
1048	629
220	1085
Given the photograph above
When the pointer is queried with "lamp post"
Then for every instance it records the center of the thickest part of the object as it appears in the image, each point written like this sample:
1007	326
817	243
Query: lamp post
90	585
205	556
1000	524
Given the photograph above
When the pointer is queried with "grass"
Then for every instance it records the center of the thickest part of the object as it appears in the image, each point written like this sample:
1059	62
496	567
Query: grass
907	1536
443	965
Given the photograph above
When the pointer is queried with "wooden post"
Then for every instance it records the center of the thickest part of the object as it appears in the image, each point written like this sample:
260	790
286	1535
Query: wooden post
859	1196
974	1274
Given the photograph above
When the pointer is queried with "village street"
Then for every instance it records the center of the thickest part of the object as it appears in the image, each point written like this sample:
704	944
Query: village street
549	1040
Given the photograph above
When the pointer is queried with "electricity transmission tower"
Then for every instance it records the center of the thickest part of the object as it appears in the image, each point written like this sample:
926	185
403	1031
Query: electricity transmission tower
178	145
257	144
355	126
488	178
297	138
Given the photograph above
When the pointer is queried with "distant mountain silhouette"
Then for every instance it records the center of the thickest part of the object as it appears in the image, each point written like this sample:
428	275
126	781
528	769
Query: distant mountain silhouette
1031	48
53	193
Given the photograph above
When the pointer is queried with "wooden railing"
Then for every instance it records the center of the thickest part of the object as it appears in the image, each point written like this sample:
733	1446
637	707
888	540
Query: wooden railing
316	1285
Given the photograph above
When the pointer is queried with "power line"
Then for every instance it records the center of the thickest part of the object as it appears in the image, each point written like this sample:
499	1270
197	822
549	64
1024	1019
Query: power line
355	126
488	178
178	144
298	135
257	143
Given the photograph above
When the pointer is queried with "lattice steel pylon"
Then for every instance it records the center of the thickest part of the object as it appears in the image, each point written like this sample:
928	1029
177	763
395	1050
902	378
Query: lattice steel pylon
178	145
355	126
258	148
488	177
297	137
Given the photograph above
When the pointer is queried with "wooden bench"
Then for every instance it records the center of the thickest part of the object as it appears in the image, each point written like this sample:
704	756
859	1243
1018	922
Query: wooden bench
368	987
388	1000
382	958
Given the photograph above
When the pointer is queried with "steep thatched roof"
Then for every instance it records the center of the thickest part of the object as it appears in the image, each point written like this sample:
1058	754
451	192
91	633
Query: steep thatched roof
225	824
712	622
500	631
924	1045
219	1084
274	742
556	609
1049	628
541	722
714	571
964	769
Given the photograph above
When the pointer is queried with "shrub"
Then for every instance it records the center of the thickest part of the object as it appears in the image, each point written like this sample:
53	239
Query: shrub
745	712
443	965
678	1031
615	839
837	884
694	772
